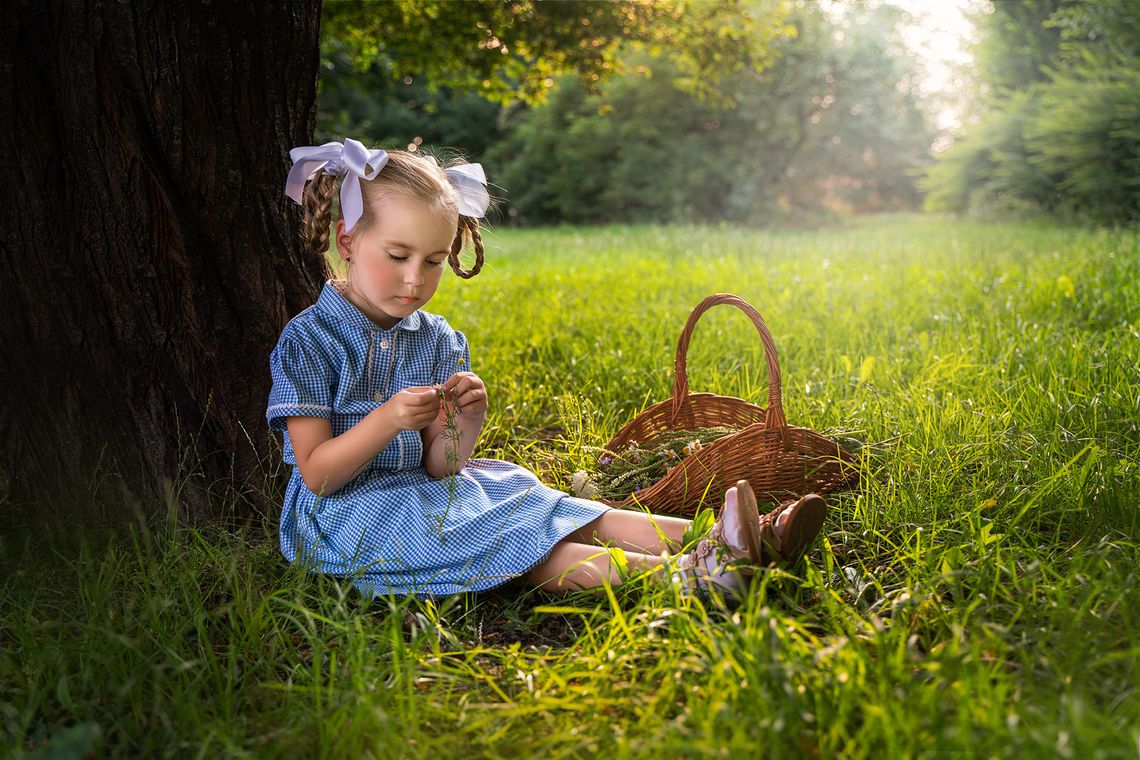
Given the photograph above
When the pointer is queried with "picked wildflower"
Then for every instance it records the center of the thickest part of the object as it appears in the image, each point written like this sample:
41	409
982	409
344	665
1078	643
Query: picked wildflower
642	463
583	485
450	434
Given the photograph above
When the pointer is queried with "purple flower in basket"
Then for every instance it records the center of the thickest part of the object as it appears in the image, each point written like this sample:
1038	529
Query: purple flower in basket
605	460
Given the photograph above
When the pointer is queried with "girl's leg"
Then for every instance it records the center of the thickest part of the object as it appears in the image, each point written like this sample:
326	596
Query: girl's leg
576	562
574	566
633	531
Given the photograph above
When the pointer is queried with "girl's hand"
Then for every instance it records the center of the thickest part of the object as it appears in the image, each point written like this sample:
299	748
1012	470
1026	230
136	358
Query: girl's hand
413	408
467	393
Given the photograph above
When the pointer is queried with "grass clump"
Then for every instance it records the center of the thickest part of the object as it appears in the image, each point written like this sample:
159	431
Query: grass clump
980	594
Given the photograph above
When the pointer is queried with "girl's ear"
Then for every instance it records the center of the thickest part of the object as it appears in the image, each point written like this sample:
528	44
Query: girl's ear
343	241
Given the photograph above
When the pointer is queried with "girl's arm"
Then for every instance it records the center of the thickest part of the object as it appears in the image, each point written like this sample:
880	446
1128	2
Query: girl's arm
467	404
328	462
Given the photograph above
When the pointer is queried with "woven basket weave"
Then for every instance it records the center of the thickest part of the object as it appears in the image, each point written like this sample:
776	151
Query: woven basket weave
778	460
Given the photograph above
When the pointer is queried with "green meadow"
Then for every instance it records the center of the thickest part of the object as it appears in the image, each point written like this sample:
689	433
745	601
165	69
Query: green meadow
977	593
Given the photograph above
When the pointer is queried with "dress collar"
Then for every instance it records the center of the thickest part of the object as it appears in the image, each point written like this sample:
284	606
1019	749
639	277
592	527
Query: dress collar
334	304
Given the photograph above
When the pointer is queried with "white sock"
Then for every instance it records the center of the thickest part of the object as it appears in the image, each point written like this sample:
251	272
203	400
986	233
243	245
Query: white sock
712	572
725	577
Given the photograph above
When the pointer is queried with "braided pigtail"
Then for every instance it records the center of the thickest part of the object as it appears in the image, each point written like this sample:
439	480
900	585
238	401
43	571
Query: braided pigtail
316	212
468	227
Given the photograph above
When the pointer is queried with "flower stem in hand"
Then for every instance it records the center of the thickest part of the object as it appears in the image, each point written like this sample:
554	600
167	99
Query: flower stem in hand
450	434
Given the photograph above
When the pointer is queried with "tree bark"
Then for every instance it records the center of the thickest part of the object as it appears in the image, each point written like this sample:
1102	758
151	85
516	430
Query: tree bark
148	256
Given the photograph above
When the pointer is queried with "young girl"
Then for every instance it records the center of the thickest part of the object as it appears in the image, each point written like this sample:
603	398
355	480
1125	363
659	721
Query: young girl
364	382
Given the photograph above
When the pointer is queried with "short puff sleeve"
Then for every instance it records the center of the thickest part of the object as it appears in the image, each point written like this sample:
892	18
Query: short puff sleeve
303	384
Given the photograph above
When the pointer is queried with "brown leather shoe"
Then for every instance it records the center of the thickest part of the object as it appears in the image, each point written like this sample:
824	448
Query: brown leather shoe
802	525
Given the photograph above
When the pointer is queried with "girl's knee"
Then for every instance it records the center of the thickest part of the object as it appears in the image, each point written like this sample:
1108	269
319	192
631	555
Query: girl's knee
569	567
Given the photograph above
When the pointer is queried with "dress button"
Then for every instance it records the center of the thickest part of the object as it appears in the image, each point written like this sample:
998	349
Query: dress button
384	343
379	396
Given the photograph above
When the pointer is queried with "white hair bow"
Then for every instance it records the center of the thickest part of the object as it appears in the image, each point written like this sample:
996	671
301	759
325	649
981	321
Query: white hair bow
350	159
470	185
355	162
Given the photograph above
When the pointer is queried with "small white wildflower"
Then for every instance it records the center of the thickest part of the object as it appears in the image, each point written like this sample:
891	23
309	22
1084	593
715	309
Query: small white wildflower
578	482
583	485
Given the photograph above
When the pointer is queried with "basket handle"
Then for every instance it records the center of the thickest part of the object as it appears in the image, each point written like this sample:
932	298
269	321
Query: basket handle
774	418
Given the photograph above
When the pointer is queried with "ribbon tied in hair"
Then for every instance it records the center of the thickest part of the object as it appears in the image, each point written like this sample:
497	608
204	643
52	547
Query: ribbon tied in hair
351	160
355	162
470	185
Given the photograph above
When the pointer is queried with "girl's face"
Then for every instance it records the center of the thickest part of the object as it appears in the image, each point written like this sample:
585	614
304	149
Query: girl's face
395	265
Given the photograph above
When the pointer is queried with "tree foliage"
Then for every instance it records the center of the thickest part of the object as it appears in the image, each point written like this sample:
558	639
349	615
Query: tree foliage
1017	45
408	112
509	49
1060	131
830	124
826	119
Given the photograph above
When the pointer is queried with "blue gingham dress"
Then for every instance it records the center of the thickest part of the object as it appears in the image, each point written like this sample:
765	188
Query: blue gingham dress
394	528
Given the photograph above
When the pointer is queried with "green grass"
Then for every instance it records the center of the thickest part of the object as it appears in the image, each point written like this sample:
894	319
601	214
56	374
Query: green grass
980	594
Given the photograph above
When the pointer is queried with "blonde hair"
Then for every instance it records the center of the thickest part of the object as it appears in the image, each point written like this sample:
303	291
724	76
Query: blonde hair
412	175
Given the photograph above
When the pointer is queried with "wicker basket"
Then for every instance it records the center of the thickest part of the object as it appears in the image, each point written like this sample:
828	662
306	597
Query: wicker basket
777	459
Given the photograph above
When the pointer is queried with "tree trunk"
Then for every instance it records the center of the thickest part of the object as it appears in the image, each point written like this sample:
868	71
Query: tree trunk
148	256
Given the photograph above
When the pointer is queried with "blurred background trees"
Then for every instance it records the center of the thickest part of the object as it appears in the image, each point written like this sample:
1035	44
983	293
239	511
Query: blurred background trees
1059	132
749	112
824	128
